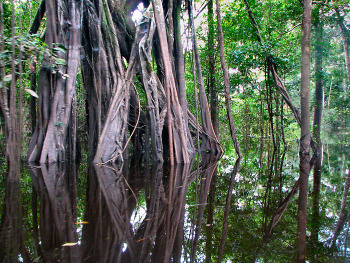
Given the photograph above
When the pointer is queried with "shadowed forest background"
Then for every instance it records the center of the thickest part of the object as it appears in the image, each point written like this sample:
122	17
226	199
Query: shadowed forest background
174	131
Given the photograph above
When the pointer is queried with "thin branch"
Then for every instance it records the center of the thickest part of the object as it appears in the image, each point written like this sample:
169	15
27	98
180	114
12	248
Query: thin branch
288	31
39	16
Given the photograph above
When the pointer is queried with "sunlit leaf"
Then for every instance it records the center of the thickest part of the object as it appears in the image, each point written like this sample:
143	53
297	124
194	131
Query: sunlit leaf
64	76
7	78
37	259
82	222
69	244
33	93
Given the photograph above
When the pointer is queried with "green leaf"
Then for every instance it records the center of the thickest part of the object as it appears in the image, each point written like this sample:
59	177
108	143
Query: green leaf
60	61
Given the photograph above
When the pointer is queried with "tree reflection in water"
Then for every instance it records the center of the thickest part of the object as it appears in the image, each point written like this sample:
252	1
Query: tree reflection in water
150	213
112	196
55	185
12	239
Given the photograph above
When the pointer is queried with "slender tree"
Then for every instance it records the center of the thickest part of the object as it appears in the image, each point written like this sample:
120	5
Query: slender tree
210	143
345	36
305	137
226	81
211	82
319	97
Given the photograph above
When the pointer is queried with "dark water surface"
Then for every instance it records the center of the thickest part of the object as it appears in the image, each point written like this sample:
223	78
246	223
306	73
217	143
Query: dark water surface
143	213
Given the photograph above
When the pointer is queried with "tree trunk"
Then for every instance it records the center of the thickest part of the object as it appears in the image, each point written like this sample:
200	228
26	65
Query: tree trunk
9	102
305	137
180	72
226	81
210	143
211	86
345	36
177	137
114	53
57	82
319	97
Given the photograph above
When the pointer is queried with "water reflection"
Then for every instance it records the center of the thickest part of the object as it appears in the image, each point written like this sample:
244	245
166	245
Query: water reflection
113	192
142	213
12	239
55	187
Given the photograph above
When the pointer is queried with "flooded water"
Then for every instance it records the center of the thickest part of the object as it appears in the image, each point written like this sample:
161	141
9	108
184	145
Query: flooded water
141	213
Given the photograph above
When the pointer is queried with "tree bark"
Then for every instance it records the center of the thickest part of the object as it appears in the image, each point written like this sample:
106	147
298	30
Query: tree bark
210	143
180	72
319	97
305	137
177	136
345	35
226	81
57	85
211	86
8	100
113	55
38	17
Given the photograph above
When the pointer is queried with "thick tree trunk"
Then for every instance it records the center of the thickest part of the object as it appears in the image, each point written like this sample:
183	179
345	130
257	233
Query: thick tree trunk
106	79
95	72
154	100
56	86
305	137
113	55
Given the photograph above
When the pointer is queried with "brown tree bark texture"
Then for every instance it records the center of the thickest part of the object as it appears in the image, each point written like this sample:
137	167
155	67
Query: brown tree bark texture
305	137
177	136
226	81
56	86
345	35
319	97
113	55
210	143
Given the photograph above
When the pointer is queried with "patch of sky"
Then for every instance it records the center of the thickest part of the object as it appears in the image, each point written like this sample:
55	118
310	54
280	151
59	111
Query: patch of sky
137	14
139	213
